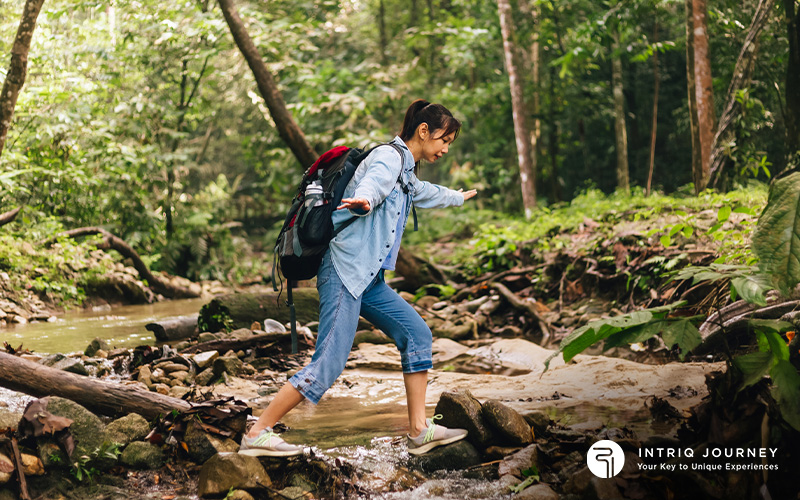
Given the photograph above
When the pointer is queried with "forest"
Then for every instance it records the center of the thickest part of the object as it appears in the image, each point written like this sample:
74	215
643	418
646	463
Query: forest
635	162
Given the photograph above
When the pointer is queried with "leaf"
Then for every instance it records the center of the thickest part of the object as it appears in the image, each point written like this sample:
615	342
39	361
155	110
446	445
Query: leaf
752	289
683	334
754	366
665	240
777	345
776	239
724	213
786	391
636	334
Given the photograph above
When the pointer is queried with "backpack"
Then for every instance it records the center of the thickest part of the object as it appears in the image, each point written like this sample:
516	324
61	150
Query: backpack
308	227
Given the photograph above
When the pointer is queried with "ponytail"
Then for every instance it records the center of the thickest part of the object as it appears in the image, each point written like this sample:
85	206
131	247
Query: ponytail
435	115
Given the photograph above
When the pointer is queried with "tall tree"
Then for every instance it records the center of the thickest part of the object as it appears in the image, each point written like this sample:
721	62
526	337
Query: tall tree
656	84
700	73
526	172
792	14
740	80
620	130
287	128
18	67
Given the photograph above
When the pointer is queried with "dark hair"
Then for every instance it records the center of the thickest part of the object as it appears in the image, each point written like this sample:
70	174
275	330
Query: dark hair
435	115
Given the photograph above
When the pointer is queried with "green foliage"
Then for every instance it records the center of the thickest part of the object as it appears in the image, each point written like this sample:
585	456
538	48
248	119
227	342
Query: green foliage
745	281
776	240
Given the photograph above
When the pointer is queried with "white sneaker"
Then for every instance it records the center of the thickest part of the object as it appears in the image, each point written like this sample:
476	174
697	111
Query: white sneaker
432	436
268	444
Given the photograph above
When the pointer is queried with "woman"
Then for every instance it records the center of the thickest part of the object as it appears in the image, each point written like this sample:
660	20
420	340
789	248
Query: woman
350	280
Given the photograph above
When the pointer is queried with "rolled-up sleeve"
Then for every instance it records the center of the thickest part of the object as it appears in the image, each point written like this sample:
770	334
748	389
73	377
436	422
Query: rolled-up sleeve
428	195
380	178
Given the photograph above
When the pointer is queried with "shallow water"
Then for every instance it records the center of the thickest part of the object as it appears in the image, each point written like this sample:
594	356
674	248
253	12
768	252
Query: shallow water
120	327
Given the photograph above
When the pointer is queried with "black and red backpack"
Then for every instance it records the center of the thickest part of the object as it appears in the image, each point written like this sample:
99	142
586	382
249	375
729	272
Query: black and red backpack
308	227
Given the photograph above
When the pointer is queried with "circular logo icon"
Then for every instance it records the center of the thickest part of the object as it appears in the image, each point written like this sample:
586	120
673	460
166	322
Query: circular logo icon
605	459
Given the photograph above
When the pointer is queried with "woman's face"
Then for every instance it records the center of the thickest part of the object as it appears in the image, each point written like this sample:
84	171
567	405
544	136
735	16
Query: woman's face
436	144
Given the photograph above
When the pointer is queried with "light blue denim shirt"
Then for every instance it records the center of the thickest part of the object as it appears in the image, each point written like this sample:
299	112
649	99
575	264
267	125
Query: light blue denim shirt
358	252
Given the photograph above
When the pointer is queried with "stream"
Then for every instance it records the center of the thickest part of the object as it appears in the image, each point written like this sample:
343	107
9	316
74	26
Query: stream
363	426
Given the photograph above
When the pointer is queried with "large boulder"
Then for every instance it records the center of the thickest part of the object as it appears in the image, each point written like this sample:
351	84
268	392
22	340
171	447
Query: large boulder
508	425
461	410
457	456
520	461
97	344
87	429
9	419
202	445
142	455
221	473
127	429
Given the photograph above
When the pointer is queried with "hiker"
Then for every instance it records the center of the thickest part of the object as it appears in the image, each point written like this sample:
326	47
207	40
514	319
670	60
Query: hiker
351	281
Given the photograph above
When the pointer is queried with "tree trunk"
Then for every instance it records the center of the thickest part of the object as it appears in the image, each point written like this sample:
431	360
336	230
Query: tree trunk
384	39
18	67
620	132
287	128
167	330
240	310
656	83
526	172
793	77
535	59
106	398
704	90
741	78
113	242
694	128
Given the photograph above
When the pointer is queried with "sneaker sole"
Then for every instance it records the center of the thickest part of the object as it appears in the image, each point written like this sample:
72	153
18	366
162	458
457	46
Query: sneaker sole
269	453
433	444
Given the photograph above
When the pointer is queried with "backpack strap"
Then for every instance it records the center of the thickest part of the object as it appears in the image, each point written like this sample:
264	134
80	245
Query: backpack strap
403	185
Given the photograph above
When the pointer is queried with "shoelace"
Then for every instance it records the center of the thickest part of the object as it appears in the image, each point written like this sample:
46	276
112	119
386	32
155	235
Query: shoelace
264	438
431	428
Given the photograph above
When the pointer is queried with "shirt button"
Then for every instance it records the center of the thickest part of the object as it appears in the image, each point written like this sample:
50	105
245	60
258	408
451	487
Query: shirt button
380	260
372	274
387	246
392	230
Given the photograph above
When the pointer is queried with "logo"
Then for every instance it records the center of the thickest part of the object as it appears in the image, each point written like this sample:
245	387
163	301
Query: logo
605	459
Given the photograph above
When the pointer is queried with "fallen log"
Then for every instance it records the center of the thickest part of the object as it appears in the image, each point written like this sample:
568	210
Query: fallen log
523	306
98	396
112	242
240	310
178	328
417	272
225	345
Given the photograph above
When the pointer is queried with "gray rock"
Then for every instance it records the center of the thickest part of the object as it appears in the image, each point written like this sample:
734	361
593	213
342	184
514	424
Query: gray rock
507	424
371	337
204	359
179	391
204	377
96	345
9	419
142	455
207	337
230	365
520	461
222	473
605	489
87	430
457	456
539	491
461	410
203	445
127	429
173	367
61	362
539	422
579	482
241	333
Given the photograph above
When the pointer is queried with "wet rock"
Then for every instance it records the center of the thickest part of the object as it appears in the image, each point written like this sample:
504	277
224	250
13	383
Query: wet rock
221	473
9	419
204	359
459	455
604	489
96	345
507	424
142	455
6	464
376	357
51	454
499	452
445	350
205	377
202	445
132	427
86	428
539	491
520	461
539	421
456	330
578	483
31	465
230	365
207	337
61	362
118	353
461	410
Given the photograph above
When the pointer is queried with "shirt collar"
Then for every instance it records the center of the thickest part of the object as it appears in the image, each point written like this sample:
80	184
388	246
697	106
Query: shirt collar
409	160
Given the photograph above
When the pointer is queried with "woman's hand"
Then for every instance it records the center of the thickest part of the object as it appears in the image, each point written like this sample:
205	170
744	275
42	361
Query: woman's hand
468	194
354	203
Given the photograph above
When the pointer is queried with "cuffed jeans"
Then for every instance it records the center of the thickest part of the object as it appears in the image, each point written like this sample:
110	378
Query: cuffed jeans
338	320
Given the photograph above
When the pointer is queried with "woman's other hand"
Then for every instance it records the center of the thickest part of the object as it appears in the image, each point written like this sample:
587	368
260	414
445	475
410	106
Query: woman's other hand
466	194
355	204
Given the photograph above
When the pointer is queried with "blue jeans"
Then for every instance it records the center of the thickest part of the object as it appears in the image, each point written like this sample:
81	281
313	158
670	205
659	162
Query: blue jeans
338	320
